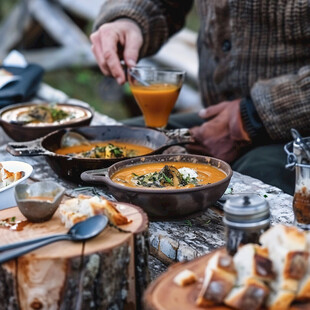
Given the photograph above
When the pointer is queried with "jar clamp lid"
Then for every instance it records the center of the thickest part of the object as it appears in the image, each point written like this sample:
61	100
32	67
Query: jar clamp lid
246	211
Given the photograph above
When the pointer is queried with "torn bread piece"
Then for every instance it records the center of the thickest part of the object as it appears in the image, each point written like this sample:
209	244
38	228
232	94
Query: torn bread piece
280	300
303	291
252	261
251	295
287	248
288	251
220	276
185	277
254	268
8	177
78	209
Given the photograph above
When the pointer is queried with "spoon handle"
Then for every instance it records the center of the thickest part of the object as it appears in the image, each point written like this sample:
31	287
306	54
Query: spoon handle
13	253
15	245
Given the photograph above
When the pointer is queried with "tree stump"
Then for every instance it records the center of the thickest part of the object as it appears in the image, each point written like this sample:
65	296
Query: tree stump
107	272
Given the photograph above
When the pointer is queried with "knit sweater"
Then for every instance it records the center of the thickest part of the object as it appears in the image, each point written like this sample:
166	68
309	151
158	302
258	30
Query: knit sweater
257	49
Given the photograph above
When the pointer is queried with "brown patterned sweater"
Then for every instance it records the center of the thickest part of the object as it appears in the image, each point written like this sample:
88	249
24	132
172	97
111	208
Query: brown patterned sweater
257	49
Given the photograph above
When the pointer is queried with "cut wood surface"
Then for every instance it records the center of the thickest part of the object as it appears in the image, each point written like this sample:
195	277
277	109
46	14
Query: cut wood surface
156	297
105	272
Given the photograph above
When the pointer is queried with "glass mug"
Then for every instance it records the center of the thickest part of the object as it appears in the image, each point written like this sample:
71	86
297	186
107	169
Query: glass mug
301	201
156	91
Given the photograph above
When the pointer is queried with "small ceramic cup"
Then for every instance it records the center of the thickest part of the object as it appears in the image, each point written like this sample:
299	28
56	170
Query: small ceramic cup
38	201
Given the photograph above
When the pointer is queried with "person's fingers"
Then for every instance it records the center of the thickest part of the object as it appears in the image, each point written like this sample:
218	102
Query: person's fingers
132	47
105	47
109	48
213	110
97	53
217	108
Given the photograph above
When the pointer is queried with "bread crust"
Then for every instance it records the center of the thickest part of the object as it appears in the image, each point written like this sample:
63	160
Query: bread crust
78	209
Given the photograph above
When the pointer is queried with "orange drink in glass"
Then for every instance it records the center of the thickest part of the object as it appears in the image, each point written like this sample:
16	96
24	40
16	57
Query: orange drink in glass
156	92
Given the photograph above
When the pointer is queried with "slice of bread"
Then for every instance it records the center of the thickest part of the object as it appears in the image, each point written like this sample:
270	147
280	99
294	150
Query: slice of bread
185	277
250	296
287	248
78	209
280	300
219	279
8	177
252	261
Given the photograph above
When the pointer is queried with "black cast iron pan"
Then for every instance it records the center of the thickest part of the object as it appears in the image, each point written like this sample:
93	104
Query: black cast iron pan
71	168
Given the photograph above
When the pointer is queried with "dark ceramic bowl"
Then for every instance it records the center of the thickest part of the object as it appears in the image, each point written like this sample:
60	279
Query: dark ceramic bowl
26	132
38	201
164	204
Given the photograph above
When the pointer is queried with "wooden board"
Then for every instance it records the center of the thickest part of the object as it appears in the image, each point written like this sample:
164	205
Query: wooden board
157	298
69	275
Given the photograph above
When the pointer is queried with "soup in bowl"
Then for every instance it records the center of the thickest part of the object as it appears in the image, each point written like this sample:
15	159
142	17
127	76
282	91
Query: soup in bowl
168	175
166	196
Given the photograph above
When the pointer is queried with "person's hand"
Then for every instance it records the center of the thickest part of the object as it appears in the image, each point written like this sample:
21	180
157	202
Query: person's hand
121	39
222	135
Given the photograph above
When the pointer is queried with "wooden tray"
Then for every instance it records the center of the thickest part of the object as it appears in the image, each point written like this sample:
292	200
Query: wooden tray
75	275
164	294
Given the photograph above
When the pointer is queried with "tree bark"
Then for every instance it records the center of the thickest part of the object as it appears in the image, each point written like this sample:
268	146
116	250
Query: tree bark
107	272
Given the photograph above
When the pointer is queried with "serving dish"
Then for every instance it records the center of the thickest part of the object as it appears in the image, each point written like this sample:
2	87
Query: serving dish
164	203
7	198
156	296
19	128
71	167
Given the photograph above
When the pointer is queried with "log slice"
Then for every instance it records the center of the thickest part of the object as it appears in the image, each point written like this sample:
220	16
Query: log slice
164	294
107	272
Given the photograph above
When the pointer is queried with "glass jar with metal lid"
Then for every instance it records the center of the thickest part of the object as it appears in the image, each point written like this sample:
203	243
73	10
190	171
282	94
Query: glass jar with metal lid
246	217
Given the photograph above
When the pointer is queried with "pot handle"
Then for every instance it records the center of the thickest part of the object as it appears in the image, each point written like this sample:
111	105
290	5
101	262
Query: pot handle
179	136
95	176
29	148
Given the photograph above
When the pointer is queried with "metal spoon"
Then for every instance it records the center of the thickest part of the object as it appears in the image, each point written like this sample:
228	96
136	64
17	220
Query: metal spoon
72	138
128	71
81	231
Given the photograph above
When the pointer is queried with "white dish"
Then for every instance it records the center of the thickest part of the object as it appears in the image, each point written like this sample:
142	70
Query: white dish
7	198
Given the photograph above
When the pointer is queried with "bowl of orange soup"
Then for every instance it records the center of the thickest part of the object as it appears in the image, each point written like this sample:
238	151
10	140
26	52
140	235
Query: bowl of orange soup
166	186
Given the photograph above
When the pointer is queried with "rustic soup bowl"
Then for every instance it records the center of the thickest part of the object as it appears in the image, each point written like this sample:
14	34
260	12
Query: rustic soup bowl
164	203
39	201
71	168
19	131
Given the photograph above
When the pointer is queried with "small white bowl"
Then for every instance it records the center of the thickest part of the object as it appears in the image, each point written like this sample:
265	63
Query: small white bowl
7	198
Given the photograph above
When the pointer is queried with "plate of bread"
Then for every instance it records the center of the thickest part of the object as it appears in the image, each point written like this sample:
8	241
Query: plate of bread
11	173
274	275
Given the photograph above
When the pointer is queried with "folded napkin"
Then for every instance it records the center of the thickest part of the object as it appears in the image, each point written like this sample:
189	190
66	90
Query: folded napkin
24	87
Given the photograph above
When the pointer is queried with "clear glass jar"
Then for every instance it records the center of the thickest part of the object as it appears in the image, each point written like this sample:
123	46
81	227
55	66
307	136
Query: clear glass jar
301	201
246	217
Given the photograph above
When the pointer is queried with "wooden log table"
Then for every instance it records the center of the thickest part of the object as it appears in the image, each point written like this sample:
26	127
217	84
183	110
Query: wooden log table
181	240
170	241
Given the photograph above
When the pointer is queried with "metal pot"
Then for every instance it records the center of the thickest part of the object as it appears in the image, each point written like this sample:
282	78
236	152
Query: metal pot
165	203
71	168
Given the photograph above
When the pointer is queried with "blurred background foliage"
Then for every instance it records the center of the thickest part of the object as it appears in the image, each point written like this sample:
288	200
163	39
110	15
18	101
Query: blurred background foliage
87	83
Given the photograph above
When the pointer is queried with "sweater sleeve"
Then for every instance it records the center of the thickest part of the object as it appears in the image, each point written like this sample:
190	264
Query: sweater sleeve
158	19
283	103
